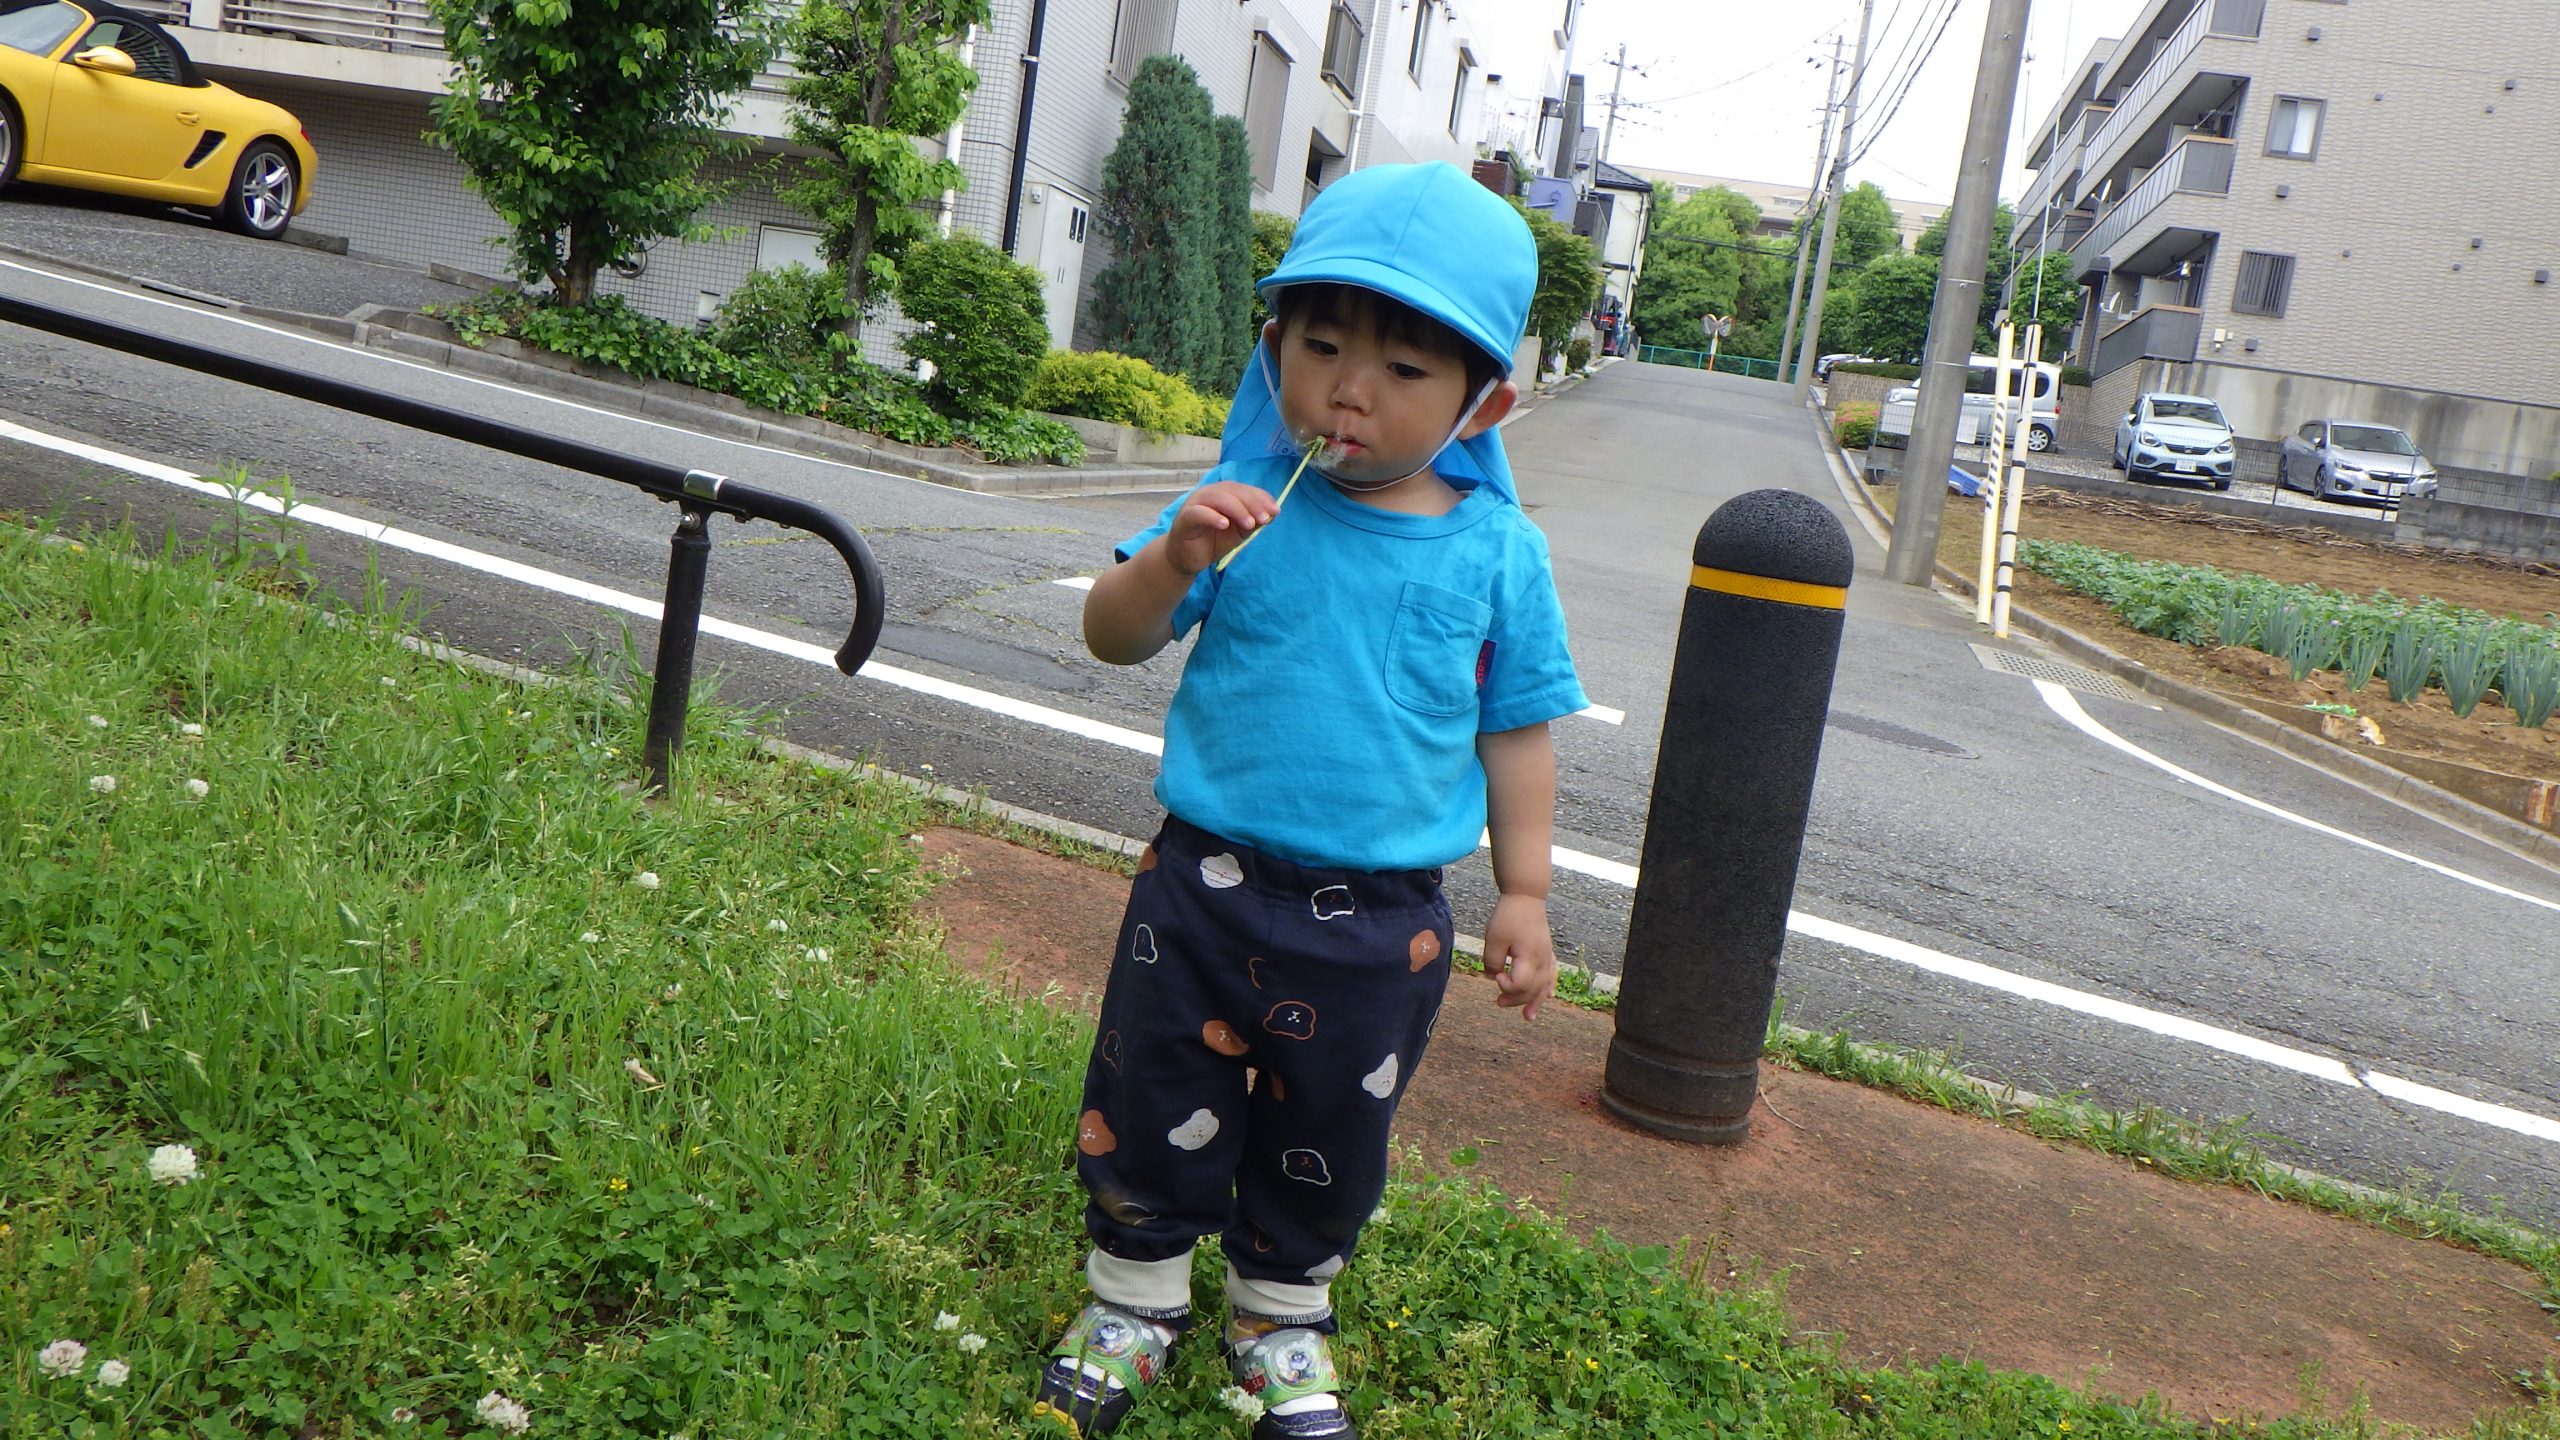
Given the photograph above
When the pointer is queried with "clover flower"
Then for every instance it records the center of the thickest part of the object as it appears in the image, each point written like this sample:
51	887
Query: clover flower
103	784
945	1320
589	938
114	1373
62	1359
191	730
97	722
778	926
1246	1404
173	1164
403	1415
499	1412
816	954
646	879
971	1343
198	789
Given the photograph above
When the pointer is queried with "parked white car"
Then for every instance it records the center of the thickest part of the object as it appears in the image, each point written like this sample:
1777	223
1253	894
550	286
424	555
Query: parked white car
2042	408
2179	436
2352	460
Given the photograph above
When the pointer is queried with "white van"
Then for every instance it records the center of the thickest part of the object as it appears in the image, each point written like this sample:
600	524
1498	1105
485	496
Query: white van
2039	382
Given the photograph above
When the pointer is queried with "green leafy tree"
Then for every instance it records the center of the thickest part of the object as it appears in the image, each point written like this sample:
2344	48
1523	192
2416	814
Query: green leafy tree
984	323
2056	307
1271	237
590	129
873	76
1997	262
1869	230
1691	269
1568	281
1159	211
1892	299
1235	222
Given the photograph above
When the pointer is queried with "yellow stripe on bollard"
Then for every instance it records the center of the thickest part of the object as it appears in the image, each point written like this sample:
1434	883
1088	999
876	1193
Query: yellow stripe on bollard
1763	587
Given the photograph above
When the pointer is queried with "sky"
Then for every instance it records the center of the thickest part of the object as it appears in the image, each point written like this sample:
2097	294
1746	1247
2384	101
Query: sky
1735	87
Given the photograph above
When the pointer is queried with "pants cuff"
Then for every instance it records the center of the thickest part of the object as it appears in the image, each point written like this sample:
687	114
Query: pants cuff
1280	1302
1148	1289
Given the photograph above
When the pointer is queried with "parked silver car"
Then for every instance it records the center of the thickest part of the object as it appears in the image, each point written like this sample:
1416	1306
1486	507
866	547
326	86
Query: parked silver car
2353	460
2176	435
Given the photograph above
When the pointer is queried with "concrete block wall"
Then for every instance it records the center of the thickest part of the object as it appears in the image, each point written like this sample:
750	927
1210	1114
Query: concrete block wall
2512	515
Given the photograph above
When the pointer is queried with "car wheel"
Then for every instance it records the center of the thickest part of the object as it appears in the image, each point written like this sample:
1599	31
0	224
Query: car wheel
10	131
260	202
2039	439
2320	483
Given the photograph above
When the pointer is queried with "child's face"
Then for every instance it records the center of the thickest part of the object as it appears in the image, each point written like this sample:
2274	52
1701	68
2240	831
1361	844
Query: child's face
1385	405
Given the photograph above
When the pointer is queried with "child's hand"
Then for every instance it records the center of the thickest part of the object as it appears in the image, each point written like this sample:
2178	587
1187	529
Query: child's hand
1219	518
1520	953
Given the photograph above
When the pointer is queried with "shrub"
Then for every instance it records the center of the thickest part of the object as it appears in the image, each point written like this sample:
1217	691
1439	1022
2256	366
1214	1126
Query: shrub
985	322
1876	367
1854	425
1577	353
1271	237
1159	213
791	315
2077	375
1015	436
1099	385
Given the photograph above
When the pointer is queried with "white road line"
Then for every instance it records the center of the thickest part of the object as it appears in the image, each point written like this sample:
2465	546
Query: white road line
1602	713
389	358
2064	704
1615	872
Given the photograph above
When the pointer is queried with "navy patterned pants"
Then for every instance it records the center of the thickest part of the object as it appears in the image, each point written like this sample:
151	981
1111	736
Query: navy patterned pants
1262	1020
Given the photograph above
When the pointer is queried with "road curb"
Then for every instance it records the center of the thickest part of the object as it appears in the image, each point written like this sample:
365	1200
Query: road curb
718	415
2508	832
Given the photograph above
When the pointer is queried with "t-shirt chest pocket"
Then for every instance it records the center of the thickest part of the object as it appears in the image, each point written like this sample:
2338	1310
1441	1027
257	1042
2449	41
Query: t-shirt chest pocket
1433	649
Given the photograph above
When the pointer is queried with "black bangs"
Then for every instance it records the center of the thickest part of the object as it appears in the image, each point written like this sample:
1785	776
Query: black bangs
1387	320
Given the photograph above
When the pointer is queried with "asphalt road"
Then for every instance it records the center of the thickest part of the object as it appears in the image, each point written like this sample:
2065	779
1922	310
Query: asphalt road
1981	874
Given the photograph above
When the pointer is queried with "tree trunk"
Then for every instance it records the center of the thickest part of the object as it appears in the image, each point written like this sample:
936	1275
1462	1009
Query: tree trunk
866	211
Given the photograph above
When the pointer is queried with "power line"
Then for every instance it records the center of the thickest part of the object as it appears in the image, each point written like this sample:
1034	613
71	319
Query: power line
1894	106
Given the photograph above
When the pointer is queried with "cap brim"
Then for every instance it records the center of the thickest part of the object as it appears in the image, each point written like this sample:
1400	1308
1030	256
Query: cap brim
1396	284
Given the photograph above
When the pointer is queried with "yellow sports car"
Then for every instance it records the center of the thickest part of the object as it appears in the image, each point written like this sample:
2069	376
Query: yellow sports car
96	97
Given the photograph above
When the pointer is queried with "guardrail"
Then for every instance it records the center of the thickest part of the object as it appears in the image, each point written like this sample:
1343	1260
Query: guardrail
2201	165
2156	332
697	494
406	27
2232	19
1742	365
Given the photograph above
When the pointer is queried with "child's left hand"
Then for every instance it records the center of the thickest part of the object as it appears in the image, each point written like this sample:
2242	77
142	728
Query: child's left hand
1520	953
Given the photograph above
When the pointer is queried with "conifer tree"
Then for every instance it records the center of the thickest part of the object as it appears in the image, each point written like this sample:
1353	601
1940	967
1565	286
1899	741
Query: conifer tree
1235	255
1159	299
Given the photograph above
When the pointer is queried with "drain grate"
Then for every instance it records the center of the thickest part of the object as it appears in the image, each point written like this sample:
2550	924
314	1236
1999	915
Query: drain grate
1893	734
2062	673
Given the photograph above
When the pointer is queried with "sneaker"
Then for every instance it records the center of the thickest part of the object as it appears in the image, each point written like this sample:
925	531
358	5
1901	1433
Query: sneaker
1291	1363
1097	1372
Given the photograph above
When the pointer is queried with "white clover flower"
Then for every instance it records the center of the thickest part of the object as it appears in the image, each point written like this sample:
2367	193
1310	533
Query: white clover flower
388	683
816	954
639	1074
589	938
404	1415
498	1412
191	730
646	879
198	789
173	1164
114	1373
62	1359
97	722
1246	1404
103	784
971	1343
672	993
778	926
945	1320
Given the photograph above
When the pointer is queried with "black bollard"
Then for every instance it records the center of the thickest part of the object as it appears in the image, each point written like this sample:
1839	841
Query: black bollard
1732	784
679	626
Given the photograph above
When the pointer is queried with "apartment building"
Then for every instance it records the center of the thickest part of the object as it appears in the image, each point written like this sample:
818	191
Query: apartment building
1782	204
1324	86
2318	207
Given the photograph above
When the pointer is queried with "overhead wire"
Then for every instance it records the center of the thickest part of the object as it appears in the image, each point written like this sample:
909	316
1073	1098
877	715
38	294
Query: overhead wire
1893	107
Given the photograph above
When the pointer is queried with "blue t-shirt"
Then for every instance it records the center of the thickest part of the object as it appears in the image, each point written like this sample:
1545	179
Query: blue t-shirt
1347	661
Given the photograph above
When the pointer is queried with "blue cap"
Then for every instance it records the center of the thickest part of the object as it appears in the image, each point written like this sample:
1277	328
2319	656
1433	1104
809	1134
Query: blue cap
1429	236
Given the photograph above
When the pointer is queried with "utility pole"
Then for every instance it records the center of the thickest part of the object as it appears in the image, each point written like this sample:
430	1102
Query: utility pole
1804	234
1609	131
1831	209
1958	302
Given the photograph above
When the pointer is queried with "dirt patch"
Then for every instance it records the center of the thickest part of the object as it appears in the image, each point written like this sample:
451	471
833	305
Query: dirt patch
1904	1232
2487	739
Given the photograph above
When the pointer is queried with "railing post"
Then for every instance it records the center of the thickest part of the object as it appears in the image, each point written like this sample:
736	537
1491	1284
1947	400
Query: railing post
1732	786
679	625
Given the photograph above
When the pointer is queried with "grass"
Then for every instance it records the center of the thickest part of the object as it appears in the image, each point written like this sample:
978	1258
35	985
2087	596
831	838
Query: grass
654	1118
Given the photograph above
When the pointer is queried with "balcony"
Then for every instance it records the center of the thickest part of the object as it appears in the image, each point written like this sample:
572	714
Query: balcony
2172	72
2160	332
2199	166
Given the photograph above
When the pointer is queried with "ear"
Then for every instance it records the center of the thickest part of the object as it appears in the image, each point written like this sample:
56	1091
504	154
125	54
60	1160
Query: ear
1271	334
1496	407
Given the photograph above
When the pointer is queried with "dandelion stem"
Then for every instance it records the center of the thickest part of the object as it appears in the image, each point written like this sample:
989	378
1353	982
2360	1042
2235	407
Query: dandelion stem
1281	499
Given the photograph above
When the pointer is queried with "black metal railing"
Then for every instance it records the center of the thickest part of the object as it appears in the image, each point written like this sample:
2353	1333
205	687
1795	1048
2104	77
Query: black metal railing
698	494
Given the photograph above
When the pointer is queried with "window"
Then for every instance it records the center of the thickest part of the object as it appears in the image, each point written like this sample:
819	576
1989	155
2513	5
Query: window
1139	28
1266	97
780	245
1343	39
2294	133
1458	92
1420	55
153	57
39	28
2266	283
